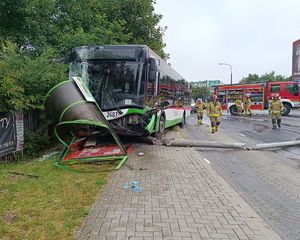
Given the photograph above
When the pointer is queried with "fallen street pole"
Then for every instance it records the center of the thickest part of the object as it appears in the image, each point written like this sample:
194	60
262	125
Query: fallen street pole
209	144
260	146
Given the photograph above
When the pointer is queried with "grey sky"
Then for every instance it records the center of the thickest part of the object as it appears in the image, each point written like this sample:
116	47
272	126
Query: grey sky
254	36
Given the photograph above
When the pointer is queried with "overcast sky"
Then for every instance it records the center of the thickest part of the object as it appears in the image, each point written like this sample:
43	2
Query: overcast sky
254	36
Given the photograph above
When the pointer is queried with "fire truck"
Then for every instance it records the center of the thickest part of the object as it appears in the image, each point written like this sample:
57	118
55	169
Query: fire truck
260	95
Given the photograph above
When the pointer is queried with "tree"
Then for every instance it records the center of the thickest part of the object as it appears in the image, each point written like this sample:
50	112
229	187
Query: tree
140	22
265	78
200	92
250	78
65	24
25	79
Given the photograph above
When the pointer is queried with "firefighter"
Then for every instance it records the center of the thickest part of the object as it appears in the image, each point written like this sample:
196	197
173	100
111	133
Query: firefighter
248	106
239	105
180	102
214	112
200	106
275	109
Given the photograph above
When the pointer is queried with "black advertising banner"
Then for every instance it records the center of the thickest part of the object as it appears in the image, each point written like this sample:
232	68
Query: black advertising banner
8	140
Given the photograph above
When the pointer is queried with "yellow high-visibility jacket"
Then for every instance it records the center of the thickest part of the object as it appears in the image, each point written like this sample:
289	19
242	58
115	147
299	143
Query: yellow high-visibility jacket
239	103
214	109
248	103
276	106
200	106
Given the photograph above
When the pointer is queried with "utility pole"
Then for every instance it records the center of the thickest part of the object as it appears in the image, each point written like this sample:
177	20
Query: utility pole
227	64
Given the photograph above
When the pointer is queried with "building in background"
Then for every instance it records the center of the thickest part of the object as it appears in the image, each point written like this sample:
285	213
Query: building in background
207	83
204	89
296	61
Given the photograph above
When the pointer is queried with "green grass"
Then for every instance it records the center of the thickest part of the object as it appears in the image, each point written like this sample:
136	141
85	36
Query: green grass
52	206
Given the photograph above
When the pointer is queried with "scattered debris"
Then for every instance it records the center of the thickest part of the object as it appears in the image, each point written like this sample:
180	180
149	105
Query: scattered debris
10	217
142	169
134	185
3	190
130	167
151	140
47	156
24	174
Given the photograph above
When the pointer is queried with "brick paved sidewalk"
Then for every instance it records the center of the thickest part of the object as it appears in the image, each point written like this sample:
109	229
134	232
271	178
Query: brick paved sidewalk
182	197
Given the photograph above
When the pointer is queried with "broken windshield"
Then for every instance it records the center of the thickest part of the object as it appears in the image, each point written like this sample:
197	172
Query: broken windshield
114	84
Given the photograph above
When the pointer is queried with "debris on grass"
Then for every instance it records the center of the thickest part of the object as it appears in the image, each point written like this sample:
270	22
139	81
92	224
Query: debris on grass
49	155
24	174
10	217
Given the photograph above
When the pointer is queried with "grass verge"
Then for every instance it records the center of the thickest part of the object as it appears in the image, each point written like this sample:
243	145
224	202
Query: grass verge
41	201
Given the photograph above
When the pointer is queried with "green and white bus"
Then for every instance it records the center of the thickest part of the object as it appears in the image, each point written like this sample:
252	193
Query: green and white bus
138	92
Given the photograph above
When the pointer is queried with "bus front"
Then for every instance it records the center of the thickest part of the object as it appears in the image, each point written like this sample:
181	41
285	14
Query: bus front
115	75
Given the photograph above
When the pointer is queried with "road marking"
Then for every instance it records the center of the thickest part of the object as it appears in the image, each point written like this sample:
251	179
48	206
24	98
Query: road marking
206	161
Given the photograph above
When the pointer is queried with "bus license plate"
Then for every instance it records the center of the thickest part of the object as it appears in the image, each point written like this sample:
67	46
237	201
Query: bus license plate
112	115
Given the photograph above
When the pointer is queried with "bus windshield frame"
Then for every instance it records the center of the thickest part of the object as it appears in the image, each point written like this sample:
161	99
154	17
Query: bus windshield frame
115	84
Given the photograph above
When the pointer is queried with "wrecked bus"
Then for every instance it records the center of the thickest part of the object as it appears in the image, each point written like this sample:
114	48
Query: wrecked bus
139	93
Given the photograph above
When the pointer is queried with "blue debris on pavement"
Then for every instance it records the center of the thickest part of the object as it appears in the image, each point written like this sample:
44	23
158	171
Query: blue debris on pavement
134	185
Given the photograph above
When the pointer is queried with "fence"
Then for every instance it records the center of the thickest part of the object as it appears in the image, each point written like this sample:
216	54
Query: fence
31	121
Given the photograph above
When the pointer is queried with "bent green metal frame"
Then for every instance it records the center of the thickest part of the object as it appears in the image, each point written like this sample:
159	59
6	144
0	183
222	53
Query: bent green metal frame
122	158
105	124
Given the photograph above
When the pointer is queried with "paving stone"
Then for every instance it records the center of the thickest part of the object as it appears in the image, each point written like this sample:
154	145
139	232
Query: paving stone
182	197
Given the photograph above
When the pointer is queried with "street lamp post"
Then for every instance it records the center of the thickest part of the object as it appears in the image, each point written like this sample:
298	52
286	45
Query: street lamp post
227	64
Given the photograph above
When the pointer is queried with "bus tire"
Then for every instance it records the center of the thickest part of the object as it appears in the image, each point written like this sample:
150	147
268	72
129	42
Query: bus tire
287	109
233	110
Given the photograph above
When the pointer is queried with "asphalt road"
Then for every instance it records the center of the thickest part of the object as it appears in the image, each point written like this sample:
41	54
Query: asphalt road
268	180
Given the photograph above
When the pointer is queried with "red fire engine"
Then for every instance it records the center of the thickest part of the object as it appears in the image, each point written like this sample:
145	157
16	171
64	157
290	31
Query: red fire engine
260	94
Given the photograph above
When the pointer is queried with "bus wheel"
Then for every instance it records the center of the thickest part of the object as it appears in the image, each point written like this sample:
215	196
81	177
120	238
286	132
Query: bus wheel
233	110
287	109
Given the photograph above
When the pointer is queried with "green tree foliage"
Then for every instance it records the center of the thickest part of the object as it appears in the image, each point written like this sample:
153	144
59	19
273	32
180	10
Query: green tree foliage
141	23
25	80
65	24
200	92
267	77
